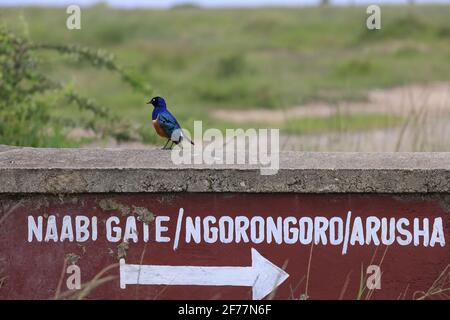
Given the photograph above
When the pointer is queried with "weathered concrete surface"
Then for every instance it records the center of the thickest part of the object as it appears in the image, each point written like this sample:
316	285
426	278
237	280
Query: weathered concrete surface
29	170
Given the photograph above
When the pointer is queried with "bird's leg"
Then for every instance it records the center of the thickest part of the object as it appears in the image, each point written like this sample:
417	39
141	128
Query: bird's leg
178	145
171	146
165	146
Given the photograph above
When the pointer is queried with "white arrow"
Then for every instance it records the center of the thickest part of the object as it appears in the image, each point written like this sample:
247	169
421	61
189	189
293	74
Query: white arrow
263	276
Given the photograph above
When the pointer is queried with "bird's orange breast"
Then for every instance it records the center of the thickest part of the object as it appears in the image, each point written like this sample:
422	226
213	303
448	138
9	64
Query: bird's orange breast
159	130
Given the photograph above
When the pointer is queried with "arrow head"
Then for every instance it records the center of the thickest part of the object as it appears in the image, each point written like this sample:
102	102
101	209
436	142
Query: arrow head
268	276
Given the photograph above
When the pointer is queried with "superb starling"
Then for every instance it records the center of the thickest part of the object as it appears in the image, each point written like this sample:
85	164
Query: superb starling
165	124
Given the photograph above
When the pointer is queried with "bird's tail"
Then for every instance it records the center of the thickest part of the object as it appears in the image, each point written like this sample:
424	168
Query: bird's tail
192	142
184	136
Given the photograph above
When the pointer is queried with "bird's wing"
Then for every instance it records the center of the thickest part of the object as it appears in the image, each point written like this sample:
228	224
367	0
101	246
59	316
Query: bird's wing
168	122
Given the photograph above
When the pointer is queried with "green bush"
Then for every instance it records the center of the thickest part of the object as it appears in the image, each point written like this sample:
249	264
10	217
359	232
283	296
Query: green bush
27	94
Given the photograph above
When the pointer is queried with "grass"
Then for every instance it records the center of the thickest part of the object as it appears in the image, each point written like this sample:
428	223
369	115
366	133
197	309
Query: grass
349	122
205	59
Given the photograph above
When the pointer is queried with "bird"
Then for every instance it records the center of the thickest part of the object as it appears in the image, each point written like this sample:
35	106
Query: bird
165	124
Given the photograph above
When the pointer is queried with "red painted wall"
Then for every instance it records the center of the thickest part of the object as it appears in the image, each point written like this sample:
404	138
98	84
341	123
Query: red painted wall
33	270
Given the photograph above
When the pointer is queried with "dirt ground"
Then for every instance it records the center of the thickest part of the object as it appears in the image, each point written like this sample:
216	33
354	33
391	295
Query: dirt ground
435	98
426	124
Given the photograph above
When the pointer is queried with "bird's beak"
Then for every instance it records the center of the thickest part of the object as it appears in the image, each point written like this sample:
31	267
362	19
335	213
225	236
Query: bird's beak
149	102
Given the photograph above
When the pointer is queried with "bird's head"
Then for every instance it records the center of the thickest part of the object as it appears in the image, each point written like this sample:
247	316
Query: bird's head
158	102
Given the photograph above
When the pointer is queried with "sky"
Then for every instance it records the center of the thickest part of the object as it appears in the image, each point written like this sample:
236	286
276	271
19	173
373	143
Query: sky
205	3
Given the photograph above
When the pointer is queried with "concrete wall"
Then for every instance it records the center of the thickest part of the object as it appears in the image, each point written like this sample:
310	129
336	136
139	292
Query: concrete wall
28	170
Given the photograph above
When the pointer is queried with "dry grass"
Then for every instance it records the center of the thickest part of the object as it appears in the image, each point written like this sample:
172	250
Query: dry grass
9	211
424	125
86	288
440	289
3	278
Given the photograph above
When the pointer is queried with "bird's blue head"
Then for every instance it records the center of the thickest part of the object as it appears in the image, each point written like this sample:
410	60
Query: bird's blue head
158	102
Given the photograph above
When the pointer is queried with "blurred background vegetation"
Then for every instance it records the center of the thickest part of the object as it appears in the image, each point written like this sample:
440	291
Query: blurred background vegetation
316	73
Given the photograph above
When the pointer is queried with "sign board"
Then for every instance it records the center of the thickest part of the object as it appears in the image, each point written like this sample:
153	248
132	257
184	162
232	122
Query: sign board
223	246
